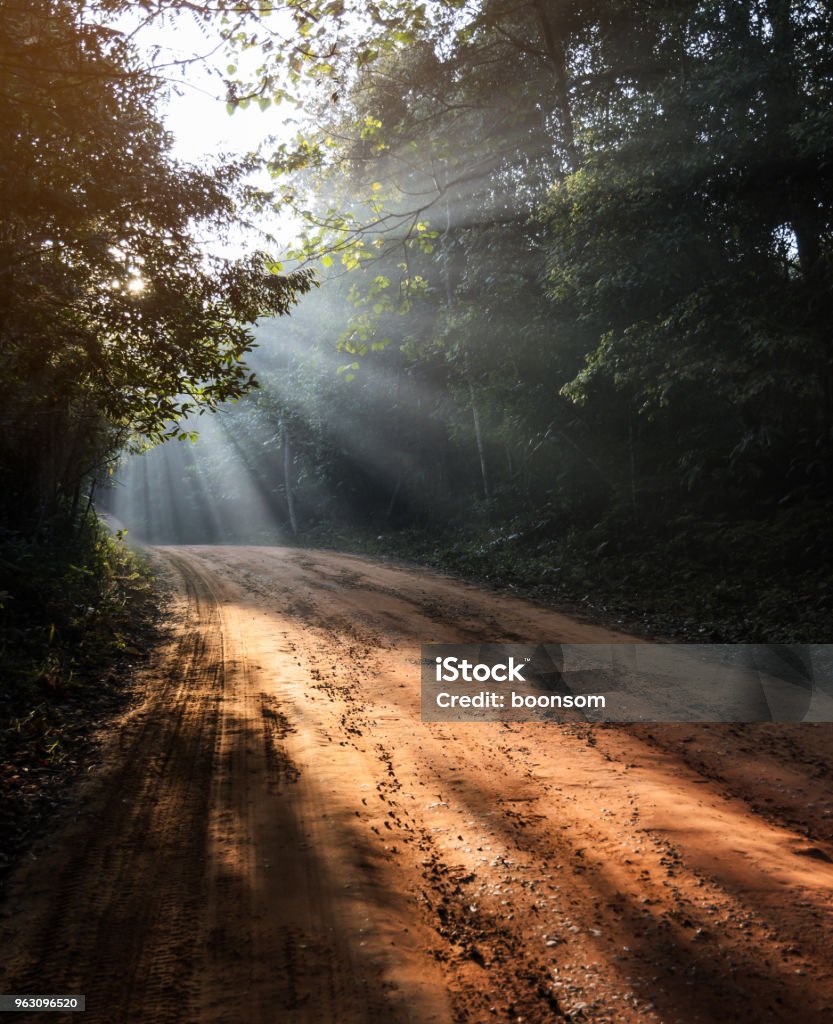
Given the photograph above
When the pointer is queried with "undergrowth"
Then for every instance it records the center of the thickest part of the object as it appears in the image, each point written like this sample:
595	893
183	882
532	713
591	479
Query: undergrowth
75	613
759	579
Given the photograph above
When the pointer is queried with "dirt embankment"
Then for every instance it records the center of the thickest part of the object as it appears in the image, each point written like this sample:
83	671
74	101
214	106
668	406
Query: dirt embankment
274	836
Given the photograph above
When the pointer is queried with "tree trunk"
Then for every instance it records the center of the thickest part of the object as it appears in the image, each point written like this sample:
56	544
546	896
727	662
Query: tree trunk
394	497
287	480
632	461
475	413
89	505
478	434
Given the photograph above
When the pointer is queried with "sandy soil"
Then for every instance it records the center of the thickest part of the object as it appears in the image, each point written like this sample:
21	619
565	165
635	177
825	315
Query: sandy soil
274	836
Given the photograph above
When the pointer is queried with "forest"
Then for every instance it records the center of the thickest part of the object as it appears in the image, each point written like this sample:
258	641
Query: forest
570	323
508	329
572	326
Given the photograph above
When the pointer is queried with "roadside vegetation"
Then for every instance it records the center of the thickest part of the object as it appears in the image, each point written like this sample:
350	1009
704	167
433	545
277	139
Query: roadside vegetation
78	616
748	581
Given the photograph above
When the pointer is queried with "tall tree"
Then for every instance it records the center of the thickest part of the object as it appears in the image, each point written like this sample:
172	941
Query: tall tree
113	323
695	243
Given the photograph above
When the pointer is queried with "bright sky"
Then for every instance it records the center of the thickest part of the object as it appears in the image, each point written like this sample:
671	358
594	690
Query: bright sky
196	110
203	128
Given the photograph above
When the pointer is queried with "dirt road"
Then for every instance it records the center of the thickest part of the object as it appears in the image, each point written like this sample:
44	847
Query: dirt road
274	836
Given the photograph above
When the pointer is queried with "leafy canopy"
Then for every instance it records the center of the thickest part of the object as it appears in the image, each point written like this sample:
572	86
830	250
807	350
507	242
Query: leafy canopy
113	321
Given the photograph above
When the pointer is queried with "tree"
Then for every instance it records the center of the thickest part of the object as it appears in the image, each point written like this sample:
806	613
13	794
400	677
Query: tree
692	249
114	324
594	240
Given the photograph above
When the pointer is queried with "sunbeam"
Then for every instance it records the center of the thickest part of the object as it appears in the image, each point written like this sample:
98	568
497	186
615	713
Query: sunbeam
208	492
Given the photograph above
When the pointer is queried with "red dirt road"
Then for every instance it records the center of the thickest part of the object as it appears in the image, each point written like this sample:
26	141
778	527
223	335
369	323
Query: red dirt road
275	836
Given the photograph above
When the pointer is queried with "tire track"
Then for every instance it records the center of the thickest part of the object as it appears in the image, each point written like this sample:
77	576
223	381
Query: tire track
278	837
124	893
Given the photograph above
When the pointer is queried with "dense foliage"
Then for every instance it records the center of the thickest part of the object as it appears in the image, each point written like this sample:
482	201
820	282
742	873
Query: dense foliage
113	323
578	262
